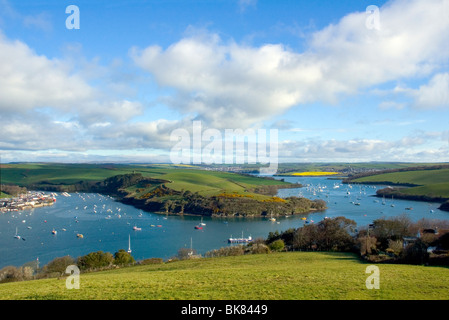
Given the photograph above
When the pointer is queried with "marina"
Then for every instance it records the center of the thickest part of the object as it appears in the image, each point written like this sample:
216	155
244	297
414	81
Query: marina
88	222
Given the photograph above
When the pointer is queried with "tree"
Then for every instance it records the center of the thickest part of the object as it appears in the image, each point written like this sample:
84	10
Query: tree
334	234
9	274
305	238
391	229
277	245
122	257
367	244
186	253
59	265
95	260
415	253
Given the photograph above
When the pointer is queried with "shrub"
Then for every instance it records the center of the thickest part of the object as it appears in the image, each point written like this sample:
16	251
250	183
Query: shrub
58	265
277	245
258	248
152	261
226	251
415	253
122	257
95	260
10	274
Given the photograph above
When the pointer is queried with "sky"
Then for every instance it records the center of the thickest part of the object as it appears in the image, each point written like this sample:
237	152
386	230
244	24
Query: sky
338	81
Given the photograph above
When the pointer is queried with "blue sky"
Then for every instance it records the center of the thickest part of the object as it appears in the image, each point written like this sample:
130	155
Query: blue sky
336	84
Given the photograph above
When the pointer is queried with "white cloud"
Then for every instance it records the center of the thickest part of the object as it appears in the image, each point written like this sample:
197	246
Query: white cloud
244	4
51	104
29	81
435	94
231	85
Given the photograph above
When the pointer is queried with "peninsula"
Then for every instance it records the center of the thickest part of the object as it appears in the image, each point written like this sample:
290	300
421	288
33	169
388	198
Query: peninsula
167	189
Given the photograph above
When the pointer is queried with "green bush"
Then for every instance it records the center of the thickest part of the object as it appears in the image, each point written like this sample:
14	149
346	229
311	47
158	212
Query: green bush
95	260
122	257
58	265
277	245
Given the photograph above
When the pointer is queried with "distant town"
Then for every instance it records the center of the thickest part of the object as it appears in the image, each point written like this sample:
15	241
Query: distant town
28	200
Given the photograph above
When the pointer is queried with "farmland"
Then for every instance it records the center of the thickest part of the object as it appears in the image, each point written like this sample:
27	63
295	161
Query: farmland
276	276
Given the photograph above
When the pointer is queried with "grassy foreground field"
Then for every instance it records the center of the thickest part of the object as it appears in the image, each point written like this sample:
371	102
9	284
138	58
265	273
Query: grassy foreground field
280	276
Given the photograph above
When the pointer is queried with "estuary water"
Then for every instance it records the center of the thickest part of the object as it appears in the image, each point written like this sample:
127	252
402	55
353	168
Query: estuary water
107	225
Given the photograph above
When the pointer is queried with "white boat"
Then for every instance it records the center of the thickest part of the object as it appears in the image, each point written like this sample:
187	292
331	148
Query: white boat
240	240
17	236
202	223
136	228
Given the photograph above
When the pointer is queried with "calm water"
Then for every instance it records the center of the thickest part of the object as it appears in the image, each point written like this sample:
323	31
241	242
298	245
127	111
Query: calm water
107	224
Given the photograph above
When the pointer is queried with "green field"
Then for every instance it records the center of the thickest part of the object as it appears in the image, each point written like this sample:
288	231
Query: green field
276	276
188	178
434	183
287	168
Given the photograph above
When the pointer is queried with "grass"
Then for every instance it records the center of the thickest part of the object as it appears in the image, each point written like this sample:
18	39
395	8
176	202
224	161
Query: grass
4	195
433	183
205	182
280	276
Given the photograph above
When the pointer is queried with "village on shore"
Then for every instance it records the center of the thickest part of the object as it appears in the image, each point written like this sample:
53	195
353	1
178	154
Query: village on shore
28	200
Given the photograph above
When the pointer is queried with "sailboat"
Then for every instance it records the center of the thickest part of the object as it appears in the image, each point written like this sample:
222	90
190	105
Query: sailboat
190	254
129	243
202	223
17	236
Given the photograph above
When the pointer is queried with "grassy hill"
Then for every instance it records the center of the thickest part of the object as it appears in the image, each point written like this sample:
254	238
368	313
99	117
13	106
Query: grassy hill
432	183
280	276
164	188
188	178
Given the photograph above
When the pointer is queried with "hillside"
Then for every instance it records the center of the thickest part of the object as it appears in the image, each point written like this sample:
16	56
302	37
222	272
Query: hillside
280	276
164	188
430	184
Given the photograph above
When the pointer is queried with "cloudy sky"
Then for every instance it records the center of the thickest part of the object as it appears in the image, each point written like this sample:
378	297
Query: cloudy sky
339	81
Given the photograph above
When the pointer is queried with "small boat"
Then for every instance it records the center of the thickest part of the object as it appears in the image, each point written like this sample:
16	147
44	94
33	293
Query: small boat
409	208
136	228
54	232
202	223
79	235
17	236
199	227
